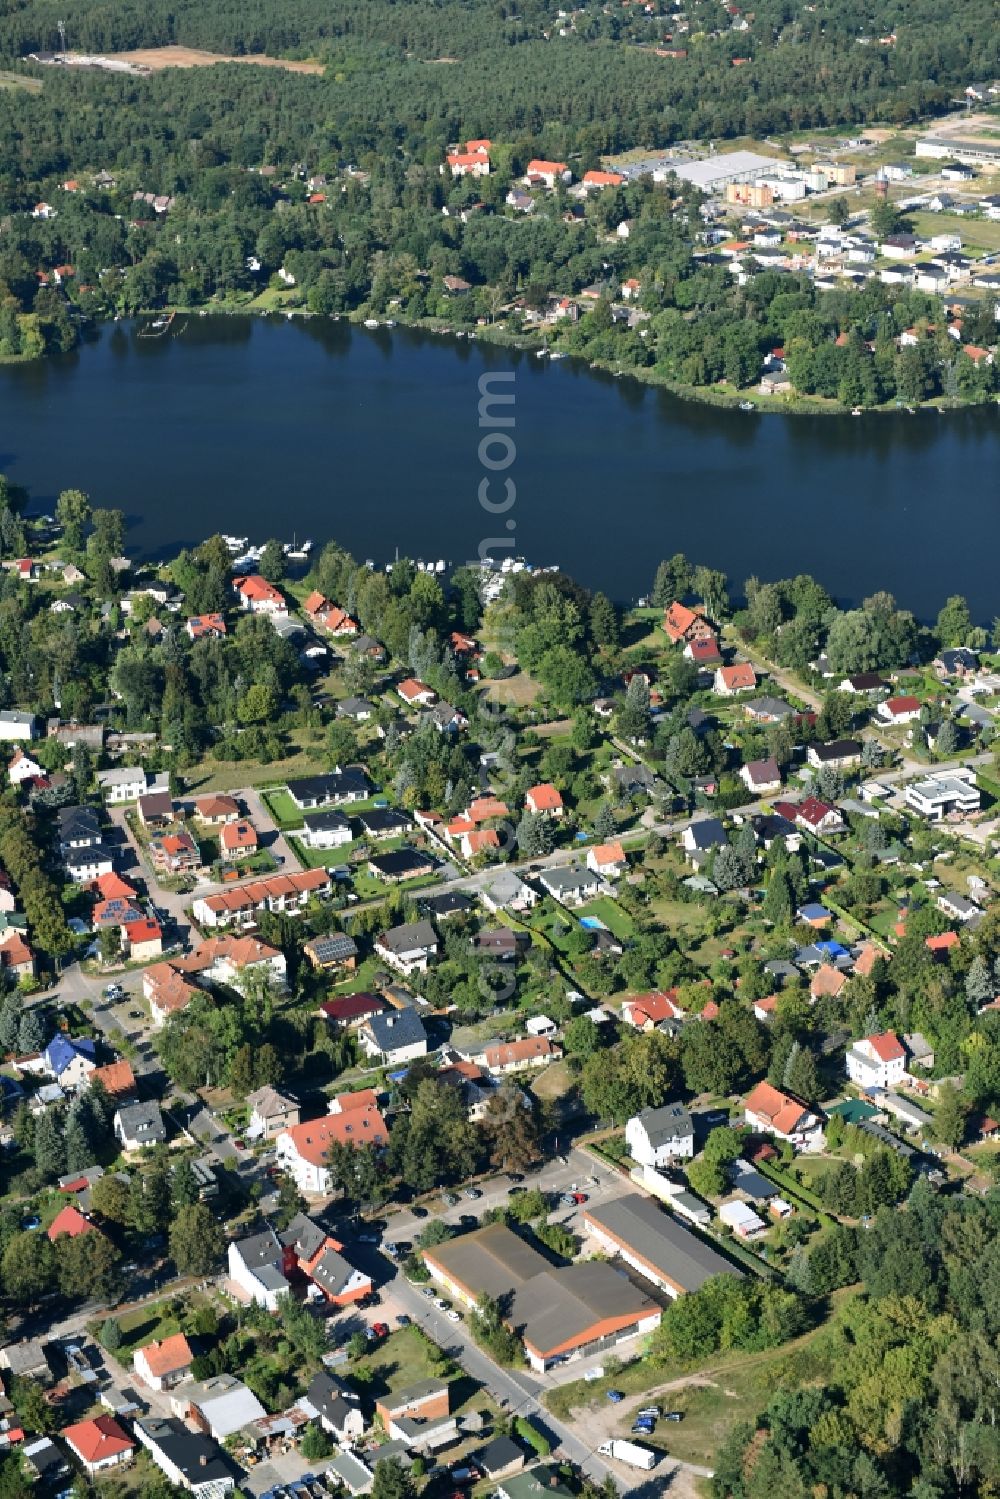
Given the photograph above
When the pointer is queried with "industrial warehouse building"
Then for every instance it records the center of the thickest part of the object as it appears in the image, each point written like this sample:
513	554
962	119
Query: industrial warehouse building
559	1314
655	1244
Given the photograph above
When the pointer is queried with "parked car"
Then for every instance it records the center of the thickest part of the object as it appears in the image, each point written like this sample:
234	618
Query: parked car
579	1197
449	1199
440	1303
616	1396
380	1329
427	1291
419	1212
515	1190
403	1320
473	1192
649	1412
673	1415
468	1220
453	1316
515	1176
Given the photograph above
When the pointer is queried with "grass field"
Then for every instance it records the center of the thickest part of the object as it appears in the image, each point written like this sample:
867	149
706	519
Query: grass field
231	775
617	921
283	810
977	234
158	58
15	81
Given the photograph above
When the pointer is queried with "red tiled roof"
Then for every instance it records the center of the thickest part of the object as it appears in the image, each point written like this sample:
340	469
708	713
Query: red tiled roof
544	797
740	675
117	1078
97	1440
887	1047
69	1221
896	705
608	853
942	943
356	1126
168	1355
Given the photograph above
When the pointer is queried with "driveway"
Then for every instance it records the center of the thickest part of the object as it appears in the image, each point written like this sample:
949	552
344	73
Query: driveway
270	836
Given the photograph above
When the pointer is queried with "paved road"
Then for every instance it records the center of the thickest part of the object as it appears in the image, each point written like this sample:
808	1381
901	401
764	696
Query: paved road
271	836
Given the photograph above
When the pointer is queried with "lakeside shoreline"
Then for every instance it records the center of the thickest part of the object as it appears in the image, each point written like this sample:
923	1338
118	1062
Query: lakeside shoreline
763	405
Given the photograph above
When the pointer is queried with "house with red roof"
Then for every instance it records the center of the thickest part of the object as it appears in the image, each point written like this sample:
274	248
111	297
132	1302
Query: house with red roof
416	694
142	940
542	173
337	621
594	180
206	627
703	651
98	1444
16	955
163	1364
942	945
175	853
116	1078
646	1011
877	1061
304	1149
772	1112
544	800
729	680
69	1221
259	596
897	710
607	859
816	816
238	840
468	164
479	841
827	982
681	623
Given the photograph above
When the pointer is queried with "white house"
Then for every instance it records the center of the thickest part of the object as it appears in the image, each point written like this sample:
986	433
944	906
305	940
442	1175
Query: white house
771	1112
896	710
304	1149
140	1126
128	782
326	830
99	1444
14	725
607	860
163	1364
761	777
657	1136
506	891
394	1037
255	1266
408	948
23	768
877	1061
189	1459
941	794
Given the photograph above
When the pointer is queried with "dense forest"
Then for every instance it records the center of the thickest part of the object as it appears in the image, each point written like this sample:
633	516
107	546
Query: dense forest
236	148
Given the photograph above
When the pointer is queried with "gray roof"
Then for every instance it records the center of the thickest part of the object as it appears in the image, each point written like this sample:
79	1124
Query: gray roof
197	1457
504	887
142	1119
304	1236
557	1306
666	1123
492	1259
333	1272
411	1393
568	878
409	938
499	1454
260	1249
675	1254
770	707
395	1028
332	1399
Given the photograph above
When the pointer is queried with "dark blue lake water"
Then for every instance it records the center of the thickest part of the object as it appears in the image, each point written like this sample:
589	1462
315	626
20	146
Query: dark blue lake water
265	428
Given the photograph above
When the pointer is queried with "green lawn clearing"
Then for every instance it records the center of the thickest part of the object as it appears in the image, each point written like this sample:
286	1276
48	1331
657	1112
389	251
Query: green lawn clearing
281	808
618	922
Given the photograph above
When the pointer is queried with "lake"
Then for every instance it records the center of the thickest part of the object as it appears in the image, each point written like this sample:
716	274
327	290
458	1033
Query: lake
273	427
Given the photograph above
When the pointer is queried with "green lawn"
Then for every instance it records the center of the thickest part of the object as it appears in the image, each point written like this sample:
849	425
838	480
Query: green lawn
148	1324
617	921
977	234
281	807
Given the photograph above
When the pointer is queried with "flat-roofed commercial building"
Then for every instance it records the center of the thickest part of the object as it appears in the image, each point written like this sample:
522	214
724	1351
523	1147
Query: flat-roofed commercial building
560	1314
655	1244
